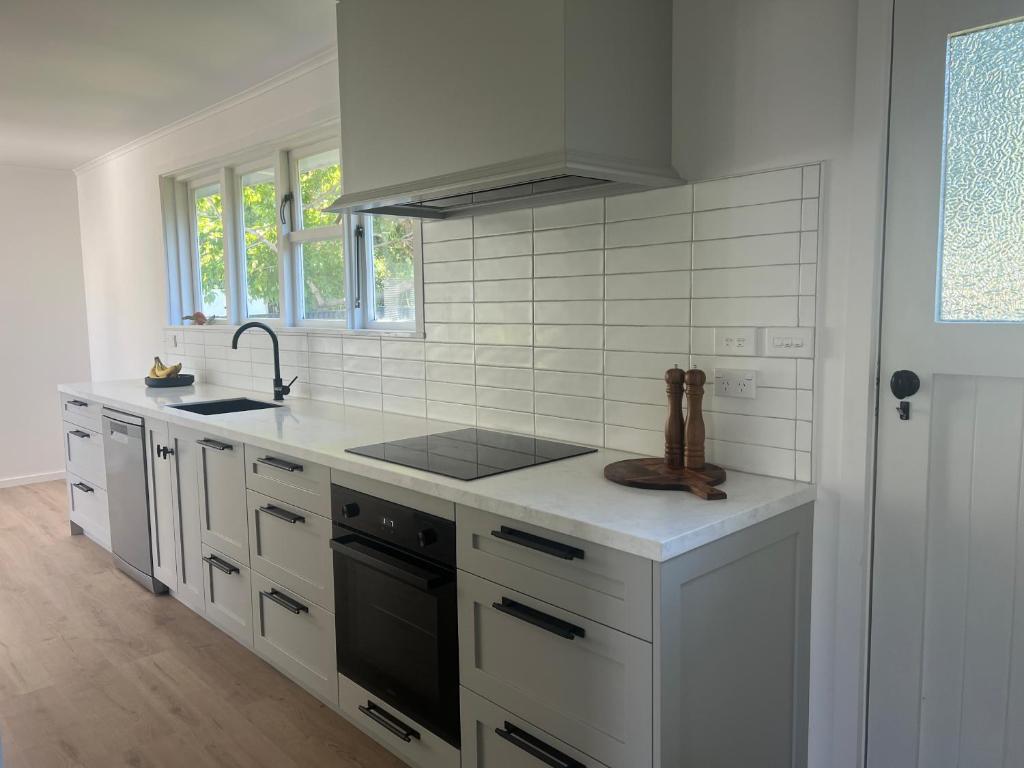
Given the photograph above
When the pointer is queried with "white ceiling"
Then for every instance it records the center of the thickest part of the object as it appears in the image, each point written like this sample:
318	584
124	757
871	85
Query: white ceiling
81	77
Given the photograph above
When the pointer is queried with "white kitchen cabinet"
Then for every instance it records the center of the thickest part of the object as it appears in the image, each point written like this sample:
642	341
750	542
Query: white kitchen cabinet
225	523
188	531
88	510
161	503
228	598
83	454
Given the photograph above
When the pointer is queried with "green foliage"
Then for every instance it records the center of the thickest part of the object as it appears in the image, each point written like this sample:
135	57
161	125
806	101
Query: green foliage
323	263
210	230
393	268
259	219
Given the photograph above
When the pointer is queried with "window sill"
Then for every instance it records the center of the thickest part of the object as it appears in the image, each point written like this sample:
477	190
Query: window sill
312	330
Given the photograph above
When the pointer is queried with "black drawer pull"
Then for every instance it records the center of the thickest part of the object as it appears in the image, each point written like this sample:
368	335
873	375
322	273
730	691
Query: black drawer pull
533	746
80	433
539	619
281	514
528	540
389	721
221	565
215	444
78	403
293	606
287	466
84	488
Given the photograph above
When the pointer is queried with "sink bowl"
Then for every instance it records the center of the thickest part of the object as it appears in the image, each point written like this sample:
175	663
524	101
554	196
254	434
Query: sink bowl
215	407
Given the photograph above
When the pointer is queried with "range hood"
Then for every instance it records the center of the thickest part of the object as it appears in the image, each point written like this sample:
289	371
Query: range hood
454	108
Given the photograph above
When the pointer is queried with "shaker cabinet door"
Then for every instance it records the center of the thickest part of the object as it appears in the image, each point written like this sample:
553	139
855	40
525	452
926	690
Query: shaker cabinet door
225	523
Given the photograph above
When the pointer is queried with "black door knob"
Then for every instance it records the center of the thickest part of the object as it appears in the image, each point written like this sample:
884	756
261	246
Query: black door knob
904	384
427	537
350	510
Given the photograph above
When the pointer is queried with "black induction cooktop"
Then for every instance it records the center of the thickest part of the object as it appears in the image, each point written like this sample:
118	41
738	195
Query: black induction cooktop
469	454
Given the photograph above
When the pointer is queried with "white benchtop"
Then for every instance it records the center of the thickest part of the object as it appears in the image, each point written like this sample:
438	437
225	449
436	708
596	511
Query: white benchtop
569	496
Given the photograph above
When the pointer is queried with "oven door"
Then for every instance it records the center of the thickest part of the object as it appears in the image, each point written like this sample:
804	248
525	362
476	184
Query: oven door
397	630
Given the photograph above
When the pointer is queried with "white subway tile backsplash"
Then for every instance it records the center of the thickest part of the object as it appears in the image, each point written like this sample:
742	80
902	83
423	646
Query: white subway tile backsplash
663	229
569	336
572	239
768	187
754	251
665	257
747	281
651	203
568	289
503	223
434	231
448	250
503	269
568	264
561	321
751	220
504	290
569	214
502	246
648	285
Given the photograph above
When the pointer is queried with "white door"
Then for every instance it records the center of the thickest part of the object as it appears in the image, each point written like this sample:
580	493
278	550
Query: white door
946	685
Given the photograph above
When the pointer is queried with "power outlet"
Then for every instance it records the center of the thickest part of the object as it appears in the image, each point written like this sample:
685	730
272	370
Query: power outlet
736	342
730	382
789	342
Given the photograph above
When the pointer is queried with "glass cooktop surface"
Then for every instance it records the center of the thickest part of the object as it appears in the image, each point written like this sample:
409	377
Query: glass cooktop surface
469	454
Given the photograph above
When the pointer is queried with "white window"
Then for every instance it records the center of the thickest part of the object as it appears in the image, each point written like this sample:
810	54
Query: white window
267	249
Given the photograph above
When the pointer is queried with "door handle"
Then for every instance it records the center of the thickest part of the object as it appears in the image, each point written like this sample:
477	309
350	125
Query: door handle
904	384
539	619
287	466
534	747
83	487
80	433
221	565
538	543
281	514
389	721
292	606
215	444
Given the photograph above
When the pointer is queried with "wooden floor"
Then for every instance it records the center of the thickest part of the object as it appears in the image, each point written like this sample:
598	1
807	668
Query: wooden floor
94	671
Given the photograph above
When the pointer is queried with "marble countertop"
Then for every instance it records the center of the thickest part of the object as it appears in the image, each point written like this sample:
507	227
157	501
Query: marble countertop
569	496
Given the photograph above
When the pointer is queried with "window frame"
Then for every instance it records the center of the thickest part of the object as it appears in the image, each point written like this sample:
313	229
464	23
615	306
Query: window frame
178	194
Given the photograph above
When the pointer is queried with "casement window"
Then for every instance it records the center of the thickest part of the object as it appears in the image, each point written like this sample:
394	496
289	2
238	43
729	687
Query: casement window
260	246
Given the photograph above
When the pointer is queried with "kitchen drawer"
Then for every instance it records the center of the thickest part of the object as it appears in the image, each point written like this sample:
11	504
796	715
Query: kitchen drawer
88	503
82	413
292	547
228	595
402	735
599	583
296	636
495	738
225	524
586	684
295	481
84	451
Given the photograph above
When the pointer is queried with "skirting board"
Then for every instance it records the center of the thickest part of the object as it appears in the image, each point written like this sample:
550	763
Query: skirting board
42	477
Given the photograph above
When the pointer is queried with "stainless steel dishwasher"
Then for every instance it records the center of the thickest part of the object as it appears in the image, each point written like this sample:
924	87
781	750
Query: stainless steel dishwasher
124	449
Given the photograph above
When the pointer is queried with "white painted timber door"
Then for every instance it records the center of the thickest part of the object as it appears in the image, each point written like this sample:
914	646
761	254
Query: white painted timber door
946	673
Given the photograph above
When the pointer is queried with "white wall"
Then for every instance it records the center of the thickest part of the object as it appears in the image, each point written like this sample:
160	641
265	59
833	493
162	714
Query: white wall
122	225
43	339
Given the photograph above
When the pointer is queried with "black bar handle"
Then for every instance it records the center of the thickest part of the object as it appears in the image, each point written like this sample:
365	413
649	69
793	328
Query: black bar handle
538	543
281	514
534	747
539	619
389	721
215	444
360	233
84	488
79	403
293	606
372	557
287	466
221	565
80	433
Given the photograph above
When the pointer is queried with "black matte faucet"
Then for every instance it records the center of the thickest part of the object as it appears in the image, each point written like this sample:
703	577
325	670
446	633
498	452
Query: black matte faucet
280	388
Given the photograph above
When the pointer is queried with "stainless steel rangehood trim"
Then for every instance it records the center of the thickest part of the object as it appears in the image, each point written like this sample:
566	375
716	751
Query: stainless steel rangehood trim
543	101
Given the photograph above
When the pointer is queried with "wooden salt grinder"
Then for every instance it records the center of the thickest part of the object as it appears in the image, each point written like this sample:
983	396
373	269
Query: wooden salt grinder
674	425
694	433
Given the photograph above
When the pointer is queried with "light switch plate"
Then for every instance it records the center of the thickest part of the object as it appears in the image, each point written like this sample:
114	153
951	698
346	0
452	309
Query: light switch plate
788	342
732	382
736	341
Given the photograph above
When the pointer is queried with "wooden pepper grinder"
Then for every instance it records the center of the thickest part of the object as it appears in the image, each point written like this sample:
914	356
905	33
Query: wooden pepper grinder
694	450
674	425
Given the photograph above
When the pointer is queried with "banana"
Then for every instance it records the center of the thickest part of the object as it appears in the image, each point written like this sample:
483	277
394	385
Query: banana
161	371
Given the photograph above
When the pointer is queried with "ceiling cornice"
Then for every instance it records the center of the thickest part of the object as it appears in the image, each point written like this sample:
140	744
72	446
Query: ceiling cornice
321	59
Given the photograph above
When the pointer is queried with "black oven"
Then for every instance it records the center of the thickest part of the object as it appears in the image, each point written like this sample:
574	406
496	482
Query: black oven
395	608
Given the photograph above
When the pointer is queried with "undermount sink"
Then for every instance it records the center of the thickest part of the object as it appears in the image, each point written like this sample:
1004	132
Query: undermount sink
234	405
